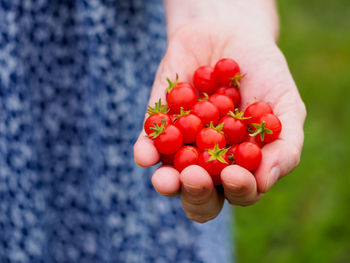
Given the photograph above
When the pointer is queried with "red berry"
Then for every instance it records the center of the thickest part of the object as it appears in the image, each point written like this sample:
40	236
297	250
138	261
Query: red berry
189	125
268	128
179	95
167	140
157	115
214	161
207	112
222	102
232	92
157	118
208	137
248	155
227	72
204	81
234	128
186	156
256	110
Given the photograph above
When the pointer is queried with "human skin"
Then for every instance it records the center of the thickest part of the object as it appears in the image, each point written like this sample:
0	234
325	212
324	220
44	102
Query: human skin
201	33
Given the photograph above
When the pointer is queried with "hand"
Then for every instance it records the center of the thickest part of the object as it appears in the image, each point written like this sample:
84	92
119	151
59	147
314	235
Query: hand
267	79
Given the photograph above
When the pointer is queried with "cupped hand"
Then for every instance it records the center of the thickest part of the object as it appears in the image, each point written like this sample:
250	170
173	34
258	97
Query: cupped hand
267	78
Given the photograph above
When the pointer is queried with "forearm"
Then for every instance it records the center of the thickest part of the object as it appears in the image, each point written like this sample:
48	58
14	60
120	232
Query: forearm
262	13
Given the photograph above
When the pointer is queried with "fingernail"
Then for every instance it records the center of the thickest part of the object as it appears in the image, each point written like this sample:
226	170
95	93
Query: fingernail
193	188
273	177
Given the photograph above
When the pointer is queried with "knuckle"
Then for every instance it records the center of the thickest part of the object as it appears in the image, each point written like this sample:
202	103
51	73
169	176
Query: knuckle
196	202
197	199
241	193
238	192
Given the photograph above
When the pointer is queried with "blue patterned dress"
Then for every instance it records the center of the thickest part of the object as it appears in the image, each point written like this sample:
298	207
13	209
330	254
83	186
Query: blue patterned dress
75	77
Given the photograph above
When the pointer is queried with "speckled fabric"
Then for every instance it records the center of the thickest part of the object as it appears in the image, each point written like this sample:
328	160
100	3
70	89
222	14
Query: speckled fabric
75	77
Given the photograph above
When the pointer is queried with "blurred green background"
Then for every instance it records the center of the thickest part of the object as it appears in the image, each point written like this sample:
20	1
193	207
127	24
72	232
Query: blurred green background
306	216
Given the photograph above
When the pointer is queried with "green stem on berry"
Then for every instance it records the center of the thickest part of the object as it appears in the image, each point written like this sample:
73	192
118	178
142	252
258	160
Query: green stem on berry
172	85
158	130
219	127
238	115
260	129
217	153
182	113
235	80
158	107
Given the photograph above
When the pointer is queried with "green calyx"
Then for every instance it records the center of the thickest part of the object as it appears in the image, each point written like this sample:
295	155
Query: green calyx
260	129
182	113
217	153
158	107
158	130
235	80
218	127
238	115
172	85
204	97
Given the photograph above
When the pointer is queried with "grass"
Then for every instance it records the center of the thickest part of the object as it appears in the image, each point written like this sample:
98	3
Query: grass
305	217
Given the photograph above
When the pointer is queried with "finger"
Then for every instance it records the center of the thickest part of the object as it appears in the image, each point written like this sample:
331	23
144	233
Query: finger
239	186
166	181
283	155
200	200
145	153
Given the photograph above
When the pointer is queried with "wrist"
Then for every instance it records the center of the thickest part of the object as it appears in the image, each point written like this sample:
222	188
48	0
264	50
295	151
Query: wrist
253	15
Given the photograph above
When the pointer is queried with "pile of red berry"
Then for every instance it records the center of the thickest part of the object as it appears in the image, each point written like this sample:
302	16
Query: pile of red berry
202	124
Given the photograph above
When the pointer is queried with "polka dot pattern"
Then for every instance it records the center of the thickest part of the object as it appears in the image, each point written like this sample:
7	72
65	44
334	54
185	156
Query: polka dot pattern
74	81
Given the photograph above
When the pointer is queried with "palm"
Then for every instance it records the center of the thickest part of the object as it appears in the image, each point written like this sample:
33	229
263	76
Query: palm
267	78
